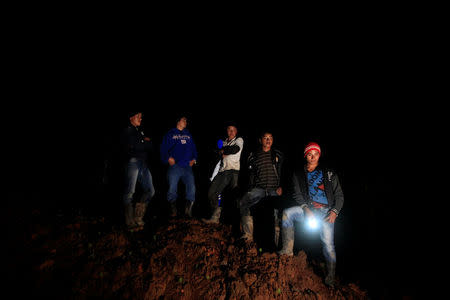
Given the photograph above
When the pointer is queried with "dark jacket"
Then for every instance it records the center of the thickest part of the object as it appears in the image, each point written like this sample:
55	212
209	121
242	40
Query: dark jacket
133	143
333	191
277	162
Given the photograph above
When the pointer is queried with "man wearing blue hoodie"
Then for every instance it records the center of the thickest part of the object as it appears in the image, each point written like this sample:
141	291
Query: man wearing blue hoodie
179	152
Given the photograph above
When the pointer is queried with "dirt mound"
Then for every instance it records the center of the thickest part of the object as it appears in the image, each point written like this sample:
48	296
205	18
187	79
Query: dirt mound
185	259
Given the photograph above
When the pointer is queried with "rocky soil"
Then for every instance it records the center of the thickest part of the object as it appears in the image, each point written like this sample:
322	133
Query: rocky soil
89	258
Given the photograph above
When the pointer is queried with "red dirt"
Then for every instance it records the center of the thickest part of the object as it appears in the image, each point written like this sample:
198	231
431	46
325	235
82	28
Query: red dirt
184	259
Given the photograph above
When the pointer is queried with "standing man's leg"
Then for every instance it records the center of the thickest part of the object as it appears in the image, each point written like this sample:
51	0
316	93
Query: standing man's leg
329	252
146	180
247	201
276	216
234	181
173	176
290	215
189	181
217	186
276	227
132	173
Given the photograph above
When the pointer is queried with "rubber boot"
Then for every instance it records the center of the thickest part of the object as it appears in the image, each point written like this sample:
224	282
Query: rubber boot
173	209
129	216
140	210
331	276
247	228
188	208
287	234
215	218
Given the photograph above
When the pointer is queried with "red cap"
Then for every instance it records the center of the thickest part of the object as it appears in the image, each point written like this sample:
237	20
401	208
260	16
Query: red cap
311	146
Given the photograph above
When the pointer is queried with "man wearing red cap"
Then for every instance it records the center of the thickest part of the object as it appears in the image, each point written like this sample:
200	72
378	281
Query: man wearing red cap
318	196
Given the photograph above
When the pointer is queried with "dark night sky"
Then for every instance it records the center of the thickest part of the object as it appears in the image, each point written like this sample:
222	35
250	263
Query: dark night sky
362	105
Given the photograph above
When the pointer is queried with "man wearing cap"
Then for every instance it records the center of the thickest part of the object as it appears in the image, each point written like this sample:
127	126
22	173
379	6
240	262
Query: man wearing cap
178	150
318	195
228	173
136	147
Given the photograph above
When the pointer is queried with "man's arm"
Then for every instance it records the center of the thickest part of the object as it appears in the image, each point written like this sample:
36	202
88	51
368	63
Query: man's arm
297	193
337	193
233	149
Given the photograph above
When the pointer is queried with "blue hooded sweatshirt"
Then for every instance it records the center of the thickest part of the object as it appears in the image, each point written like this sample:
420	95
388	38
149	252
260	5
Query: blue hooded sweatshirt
179	145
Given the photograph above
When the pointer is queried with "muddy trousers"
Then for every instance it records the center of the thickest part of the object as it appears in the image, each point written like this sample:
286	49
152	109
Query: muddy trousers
326	229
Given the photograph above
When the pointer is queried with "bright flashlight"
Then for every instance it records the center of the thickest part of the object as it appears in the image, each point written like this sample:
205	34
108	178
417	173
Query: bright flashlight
312	223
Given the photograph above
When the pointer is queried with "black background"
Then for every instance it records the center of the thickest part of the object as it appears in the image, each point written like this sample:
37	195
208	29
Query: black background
361	97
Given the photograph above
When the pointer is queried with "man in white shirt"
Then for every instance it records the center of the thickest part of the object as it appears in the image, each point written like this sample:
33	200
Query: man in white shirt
228	173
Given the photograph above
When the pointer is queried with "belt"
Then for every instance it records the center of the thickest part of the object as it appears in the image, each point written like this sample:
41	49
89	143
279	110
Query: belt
319	205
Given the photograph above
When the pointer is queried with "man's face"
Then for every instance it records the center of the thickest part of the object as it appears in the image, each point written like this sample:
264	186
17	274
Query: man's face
182	123
312	157
136	119
267	140
231	131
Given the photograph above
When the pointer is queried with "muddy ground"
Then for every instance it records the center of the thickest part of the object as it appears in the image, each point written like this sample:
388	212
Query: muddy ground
90	257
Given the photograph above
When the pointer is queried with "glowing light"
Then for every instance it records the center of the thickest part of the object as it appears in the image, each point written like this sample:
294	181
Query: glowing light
313	223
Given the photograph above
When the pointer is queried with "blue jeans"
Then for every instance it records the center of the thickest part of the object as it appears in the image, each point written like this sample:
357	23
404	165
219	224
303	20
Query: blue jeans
326	229
174	174
137	170
252	197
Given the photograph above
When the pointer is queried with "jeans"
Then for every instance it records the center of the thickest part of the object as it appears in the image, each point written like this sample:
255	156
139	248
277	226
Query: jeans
174	174
326	229
219	183
252	197
137	170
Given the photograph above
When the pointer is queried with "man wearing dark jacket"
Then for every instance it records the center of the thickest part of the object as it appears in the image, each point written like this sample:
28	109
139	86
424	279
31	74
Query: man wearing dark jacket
265	180
319	199
136	146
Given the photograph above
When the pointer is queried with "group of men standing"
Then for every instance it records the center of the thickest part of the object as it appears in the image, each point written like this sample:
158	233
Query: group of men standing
316	190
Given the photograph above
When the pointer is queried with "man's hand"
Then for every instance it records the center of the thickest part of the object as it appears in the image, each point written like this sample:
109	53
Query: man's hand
331	217
279	191
308	212
192	162
171	161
